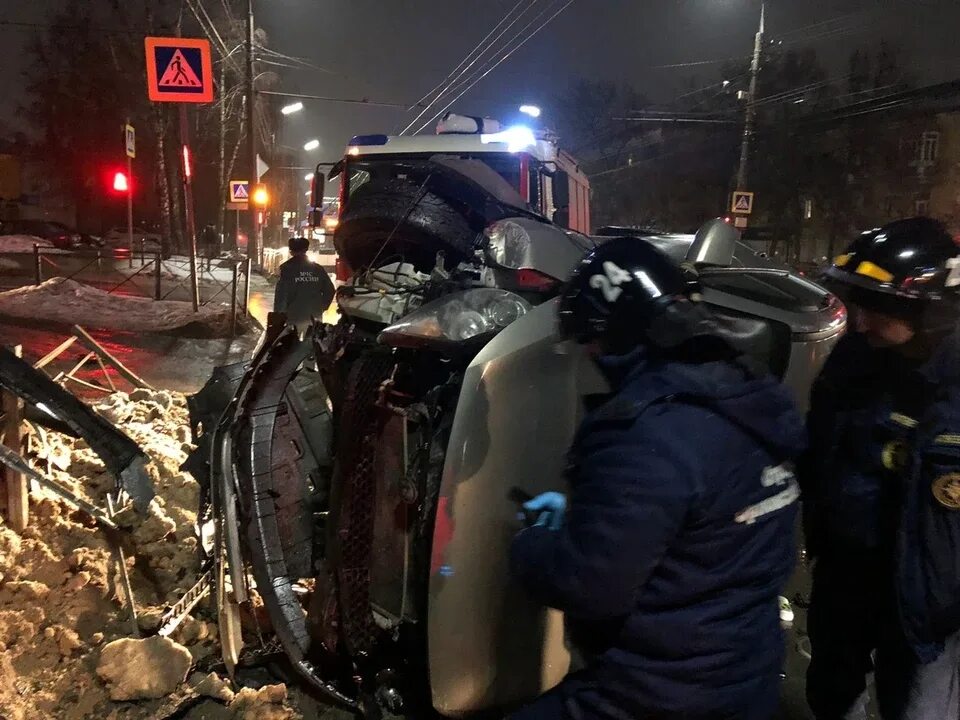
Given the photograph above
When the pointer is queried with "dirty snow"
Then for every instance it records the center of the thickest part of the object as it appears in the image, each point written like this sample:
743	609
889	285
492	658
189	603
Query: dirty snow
178	267
21	243
69	302
65	630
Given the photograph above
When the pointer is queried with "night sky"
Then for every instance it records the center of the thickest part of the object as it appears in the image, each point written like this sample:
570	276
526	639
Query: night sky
397	50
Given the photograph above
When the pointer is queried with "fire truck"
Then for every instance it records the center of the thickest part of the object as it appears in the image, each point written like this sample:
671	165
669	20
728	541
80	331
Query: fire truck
548	178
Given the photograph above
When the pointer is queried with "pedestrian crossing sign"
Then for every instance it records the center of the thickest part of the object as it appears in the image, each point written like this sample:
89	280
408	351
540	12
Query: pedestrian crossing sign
742	202
179	70
239	191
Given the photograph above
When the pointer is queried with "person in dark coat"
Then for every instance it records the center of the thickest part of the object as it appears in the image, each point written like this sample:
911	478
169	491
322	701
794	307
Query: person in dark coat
304	290
881	483
677	537
209	242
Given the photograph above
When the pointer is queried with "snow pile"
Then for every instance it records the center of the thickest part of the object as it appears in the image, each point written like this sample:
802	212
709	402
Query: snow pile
69	302
65	645
21	243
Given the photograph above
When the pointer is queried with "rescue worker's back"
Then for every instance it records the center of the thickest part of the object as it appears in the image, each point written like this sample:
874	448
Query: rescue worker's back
679	535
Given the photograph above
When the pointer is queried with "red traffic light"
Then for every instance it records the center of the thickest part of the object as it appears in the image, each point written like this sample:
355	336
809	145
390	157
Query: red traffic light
120	182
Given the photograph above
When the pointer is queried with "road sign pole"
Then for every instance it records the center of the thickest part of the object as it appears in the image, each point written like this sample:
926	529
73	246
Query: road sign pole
251	97
130	208
188	206
127	129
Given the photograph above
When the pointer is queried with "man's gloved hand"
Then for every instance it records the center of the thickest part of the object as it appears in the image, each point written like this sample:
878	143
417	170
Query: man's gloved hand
551	506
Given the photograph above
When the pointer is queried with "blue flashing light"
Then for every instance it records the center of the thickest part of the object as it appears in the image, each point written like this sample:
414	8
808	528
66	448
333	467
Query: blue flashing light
368	140
517	138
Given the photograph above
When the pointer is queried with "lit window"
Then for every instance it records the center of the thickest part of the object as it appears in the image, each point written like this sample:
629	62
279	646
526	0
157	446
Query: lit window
807	208
929	147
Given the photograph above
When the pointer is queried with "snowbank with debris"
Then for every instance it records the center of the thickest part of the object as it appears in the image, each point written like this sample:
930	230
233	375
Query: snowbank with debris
65	645
21	243
69	302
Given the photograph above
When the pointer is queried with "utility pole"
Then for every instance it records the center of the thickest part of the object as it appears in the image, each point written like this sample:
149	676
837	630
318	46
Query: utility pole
256	238
750	116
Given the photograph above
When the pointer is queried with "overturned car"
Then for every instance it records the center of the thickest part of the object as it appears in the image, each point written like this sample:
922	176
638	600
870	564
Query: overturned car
363	480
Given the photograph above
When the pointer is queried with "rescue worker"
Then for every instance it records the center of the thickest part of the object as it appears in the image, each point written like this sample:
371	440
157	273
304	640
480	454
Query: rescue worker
881	482
304	290
677	537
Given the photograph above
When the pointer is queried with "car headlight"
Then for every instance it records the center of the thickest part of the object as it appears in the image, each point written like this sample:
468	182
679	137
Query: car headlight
457	318
508	243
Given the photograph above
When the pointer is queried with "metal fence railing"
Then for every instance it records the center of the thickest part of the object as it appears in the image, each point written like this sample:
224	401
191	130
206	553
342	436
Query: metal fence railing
147	274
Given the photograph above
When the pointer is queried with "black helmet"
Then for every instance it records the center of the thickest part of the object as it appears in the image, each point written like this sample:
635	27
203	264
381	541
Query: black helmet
902	269
619	292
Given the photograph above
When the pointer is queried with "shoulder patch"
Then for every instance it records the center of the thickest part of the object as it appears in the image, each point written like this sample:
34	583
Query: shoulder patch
946	490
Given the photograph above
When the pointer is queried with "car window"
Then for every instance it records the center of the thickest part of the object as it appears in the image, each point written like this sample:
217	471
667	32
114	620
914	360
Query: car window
779	290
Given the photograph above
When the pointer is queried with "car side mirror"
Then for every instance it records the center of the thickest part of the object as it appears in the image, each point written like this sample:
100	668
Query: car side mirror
560	189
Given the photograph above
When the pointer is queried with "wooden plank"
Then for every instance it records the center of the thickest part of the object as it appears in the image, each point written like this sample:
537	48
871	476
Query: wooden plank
86	384
70	373
124	575
17	487
84	337
55	353
106	374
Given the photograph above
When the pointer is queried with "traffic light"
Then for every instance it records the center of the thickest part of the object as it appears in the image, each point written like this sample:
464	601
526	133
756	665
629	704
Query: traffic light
260	196
121	183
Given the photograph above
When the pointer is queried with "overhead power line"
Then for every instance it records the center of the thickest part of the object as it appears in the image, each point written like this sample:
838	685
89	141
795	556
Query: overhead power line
349	101
467	57
469	60
502	59
102	30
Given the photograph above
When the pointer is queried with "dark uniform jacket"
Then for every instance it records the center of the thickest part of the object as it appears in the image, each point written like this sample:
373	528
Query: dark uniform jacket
677	541
882	474
304	290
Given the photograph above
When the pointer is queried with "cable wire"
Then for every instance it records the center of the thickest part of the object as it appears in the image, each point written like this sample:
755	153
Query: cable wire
468	55
468	63
499	62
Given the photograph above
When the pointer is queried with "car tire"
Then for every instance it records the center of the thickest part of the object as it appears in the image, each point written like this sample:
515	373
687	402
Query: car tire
421	224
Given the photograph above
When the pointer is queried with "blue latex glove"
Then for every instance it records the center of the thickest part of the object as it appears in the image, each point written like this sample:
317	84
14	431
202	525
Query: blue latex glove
551	506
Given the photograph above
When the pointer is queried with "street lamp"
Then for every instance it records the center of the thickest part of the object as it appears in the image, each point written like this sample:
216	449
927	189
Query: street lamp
531	110
292	108
311	145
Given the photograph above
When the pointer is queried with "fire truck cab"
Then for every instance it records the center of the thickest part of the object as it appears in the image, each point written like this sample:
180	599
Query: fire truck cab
547	178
